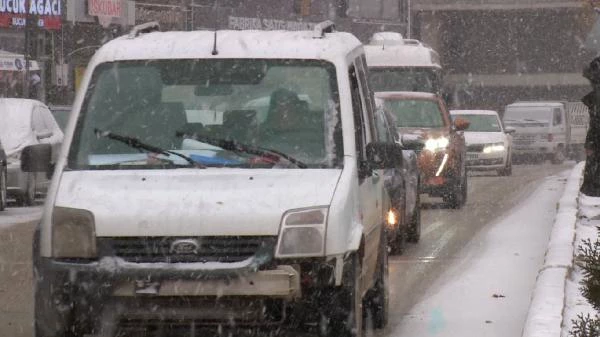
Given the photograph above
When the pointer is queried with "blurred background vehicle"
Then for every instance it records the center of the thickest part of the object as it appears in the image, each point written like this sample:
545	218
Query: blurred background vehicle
26	122
489	143
550	130
3	177
423	118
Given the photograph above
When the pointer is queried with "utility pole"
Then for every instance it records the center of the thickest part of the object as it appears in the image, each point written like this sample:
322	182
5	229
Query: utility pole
27	53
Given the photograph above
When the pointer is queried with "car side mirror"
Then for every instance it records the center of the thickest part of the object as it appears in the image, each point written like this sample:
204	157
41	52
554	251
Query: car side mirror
382	155
413	145
510	130
36	158
43	134
461	124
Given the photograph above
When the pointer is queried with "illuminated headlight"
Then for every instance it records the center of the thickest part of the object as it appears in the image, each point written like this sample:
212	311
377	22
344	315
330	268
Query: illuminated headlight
73	233
436	144
491	148
302	233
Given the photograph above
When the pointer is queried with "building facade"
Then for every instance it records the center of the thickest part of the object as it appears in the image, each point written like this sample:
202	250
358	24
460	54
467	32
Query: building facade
495	52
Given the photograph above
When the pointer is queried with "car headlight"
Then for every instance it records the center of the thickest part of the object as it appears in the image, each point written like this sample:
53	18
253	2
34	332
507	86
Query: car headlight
496	147
436	144
73	233
302	233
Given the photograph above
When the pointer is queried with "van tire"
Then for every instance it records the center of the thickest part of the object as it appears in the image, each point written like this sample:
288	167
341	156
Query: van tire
343	317
377	300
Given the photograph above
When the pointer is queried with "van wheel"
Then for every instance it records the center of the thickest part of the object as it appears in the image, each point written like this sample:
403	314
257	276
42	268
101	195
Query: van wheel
377	301
414	227
3	182
343	317
559	156
27	197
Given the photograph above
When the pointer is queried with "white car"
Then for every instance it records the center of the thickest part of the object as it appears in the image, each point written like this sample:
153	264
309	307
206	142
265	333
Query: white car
489	143
25	122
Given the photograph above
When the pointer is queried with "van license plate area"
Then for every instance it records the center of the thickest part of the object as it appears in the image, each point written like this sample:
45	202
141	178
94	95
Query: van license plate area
472	156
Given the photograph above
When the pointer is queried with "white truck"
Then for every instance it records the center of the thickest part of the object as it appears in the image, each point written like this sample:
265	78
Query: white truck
552	130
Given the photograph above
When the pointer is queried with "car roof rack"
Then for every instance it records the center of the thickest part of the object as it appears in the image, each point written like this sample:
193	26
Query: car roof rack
148	27
324	27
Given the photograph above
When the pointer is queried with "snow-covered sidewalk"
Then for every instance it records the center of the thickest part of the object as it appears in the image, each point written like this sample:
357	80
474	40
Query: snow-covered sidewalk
488	292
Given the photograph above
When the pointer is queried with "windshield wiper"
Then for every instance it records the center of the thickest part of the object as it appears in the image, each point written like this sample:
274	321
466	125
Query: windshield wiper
137	144
234	146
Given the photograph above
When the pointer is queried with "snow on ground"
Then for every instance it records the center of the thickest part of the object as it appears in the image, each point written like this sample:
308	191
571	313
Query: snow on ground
17	215
589	219
488	292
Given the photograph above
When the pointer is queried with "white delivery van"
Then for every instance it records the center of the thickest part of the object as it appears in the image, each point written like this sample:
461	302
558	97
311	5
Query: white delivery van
541	130
398	64
156	220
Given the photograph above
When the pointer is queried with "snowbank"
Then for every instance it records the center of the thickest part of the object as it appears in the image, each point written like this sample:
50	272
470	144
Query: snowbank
545	314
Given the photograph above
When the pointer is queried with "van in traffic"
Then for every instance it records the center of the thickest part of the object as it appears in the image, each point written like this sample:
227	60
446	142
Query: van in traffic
226	220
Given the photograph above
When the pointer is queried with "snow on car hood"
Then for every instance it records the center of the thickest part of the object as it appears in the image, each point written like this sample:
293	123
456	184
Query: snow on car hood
194	202
484	137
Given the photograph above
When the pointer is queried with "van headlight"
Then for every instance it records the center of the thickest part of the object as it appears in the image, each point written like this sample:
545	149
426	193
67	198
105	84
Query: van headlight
436	144
302	233
492	148
73	233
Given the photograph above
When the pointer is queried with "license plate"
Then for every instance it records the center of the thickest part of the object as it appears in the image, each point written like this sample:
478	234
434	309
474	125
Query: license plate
144	287
472	156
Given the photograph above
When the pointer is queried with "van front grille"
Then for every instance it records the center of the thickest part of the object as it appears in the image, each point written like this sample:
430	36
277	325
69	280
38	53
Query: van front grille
226	249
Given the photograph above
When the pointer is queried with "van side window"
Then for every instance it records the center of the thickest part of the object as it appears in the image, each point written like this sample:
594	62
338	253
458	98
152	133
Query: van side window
557	117
383	134
357	108
38	122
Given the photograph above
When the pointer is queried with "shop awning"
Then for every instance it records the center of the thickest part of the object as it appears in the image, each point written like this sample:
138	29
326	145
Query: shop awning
15	62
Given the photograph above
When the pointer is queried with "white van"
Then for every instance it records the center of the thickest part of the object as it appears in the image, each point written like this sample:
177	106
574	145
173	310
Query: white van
398	64
156	220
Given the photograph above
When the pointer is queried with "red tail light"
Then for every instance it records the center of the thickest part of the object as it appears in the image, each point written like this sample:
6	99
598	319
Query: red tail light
550	137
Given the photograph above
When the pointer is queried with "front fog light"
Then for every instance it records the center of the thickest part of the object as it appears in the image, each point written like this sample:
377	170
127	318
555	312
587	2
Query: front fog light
303	233
73	233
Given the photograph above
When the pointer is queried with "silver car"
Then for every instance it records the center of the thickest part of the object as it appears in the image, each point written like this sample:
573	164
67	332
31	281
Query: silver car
26	122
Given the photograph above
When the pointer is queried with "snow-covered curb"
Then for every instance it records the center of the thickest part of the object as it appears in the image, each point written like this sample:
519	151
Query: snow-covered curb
545	315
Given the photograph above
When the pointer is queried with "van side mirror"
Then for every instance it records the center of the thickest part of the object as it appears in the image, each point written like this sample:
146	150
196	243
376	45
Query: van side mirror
382	155
510	130
36	158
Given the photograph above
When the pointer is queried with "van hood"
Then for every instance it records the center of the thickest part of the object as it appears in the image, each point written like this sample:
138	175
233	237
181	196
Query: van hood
194	202
484	137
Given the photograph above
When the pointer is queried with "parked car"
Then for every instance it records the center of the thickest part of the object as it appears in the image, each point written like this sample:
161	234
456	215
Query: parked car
61	115
26	122
403	185
423	118
489	143
3	178
150	219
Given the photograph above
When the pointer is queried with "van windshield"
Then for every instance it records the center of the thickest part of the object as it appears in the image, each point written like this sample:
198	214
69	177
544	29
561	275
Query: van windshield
411	113
515	116
192	107
404	79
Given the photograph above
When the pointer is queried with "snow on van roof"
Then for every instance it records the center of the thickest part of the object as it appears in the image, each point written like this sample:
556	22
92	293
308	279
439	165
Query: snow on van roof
473	112
401	55
230	44
536	104
405	95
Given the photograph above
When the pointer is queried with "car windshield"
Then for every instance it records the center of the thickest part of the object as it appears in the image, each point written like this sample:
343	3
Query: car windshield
481	123
193	106
414	113
404	79
534	114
